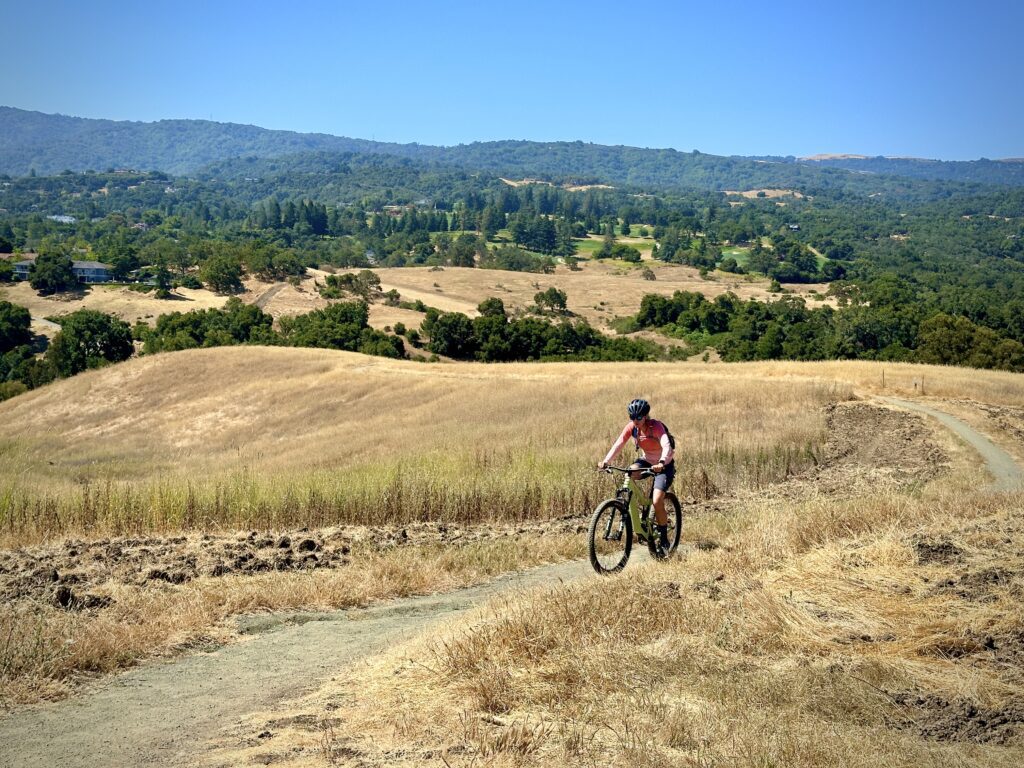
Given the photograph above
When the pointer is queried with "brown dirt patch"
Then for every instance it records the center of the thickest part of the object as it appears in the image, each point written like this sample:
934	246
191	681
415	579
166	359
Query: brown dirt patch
871	448
959	719
74	574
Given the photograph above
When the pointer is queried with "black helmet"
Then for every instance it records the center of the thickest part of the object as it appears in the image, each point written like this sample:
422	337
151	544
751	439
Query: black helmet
638	409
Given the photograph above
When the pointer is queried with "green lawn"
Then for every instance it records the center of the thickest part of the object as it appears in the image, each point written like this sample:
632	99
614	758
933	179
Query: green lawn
587	247
741	254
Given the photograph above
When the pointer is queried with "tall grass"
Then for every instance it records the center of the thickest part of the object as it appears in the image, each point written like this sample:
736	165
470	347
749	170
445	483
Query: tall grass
326	438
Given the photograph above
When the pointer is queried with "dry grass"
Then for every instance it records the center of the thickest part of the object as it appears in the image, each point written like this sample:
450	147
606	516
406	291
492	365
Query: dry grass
269	438
45	650
597	292
130	306
858	633
770	194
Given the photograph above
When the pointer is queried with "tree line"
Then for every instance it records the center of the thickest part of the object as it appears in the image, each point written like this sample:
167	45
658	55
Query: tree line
880	326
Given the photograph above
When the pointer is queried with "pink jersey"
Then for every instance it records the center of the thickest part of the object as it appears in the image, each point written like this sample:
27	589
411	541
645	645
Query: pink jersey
651	438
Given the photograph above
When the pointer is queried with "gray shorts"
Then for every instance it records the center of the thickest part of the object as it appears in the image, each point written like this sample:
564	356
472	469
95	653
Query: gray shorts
663	479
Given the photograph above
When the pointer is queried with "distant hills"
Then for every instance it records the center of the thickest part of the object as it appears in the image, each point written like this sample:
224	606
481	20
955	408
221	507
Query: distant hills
1009	171
50	144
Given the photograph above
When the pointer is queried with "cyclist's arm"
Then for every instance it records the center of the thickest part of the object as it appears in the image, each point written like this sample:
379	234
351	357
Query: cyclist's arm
617	445
667	454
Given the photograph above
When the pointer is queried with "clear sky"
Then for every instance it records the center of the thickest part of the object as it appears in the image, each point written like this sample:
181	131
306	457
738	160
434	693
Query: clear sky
928	79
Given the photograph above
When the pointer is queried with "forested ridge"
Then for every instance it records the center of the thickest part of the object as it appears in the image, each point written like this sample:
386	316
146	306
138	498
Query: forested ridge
48	144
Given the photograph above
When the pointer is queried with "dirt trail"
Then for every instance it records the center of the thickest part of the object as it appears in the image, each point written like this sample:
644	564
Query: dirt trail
263	300
164	713
1007	476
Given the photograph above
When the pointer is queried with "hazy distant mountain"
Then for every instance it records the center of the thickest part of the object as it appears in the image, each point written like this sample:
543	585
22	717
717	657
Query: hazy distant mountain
49	144
984	171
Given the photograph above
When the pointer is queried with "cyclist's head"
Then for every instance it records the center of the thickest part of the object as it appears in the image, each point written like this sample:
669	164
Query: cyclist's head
638	409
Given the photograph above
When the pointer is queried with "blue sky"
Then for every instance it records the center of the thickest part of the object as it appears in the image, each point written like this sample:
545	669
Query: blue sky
926	79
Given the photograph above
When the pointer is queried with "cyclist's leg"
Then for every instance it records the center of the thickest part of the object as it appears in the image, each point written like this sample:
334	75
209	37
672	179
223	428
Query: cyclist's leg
638	465
662	481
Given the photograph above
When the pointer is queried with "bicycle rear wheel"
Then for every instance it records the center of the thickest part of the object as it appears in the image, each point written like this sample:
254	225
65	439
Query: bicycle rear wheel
675	527
611	536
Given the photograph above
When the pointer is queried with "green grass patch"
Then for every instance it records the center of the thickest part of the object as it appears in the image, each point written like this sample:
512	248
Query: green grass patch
740	253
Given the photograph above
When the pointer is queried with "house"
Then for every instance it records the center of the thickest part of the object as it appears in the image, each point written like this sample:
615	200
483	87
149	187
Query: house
85	271
91	271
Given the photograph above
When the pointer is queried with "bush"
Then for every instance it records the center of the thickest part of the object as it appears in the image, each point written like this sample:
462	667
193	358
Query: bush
9	389
15	323
89	339
236	323
190	281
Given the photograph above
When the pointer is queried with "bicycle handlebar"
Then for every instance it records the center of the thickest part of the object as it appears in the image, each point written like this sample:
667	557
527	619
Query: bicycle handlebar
644	471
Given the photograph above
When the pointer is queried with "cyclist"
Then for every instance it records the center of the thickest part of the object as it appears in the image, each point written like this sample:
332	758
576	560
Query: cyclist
653	438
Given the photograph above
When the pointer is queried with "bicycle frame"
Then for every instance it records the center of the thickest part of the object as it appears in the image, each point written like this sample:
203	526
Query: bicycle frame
638	503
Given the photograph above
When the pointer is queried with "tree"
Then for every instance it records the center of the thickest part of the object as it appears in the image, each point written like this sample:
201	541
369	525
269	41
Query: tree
89	339
222	274
52	273
552	299
492	307
14	326
452	335
607	244
491	220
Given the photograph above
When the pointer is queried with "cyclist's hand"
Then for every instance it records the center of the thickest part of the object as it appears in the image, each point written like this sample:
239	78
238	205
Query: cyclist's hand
657	468
602	465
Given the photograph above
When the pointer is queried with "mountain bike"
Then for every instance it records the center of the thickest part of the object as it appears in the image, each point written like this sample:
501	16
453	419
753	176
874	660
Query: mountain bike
615	520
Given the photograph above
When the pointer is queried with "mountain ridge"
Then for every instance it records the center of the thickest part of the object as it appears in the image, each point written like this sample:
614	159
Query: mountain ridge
52	143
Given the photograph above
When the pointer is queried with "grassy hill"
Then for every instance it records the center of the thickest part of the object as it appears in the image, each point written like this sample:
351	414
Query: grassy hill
272	436
811	621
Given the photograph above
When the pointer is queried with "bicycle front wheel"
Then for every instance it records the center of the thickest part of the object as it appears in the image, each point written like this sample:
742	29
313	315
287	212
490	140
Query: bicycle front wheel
674	513
611	536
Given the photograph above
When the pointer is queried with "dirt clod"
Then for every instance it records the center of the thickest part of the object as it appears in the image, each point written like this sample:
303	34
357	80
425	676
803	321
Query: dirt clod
942	551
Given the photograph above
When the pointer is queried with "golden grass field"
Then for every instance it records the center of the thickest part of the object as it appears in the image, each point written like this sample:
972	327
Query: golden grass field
874	627
804	629
822	633
126	304
264	437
